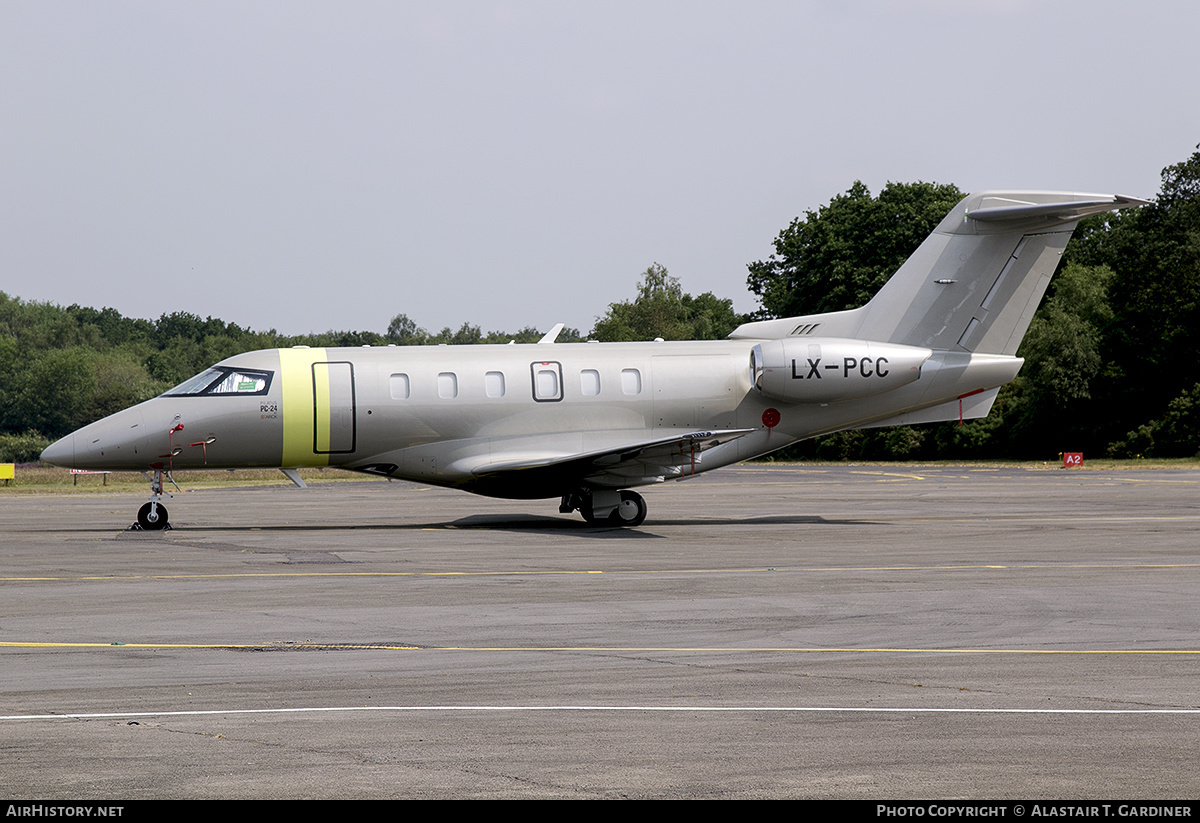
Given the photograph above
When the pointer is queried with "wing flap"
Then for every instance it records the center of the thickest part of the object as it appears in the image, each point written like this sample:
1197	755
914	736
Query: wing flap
673	455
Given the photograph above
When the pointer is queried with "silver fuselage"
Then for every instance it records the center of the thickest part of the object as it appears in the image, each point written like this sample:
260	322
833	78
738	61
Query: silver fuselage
583	420
445	414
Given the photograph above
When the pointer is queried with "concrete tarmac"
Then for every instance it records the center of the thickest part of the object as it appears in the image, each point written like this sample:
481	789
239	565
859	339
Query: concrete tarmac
770	631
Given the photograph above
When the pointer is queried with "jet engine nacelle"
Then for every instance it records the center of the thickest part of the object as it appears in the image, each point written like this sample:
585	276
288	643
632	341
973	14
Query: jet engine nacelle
827	369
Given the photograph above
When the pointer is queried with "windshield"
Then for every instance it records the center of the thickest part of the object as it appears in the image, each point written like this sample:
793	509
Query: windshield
224	381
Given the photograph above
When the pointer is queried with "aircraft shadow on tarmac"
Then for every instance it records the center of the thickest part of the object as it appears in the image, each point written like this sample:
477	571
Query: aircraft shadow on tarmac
504	522
498	522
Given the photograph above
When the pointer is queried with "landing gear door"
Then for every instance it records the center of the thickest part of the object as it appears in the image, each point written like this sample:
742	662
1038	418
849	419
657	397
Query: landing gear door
334	421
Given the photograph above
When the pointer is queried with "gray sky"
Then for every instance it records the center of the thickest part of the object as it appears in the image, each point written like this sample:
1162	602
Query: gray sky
307	166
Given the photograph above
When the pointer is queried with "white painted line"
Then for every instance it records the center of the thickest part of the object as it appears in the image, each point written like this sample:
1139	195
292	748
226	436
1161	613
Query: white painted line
745	709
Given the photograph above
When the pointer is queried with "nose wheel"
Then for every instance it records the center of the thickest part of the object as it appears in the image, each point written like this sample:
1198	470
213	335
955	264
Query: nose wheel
152	516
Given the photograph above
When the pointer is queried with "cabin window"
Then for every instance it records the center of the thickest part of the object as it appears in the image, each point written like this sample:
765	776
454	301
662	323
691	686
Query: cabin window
448	385
589	382
225	381
631	381
547	381
493	384
399	386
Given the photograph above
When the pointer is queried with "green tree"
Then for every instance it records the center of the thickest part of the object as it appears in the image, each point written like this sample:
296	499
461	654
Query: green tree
467	335
1177	434
22	448
54	394
1062	345
837	257
403	331
527	335
662	309
1150	347
121	381
1049	406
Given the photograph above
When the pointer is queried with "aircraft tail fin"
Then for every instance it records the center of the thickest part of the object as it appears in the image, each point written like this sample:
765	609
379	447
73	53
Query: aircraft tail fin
973	284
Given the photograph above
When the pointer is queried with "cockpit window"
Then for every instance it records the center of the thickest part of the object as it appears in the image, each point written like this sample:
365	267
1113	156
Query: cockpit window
238	382
224	381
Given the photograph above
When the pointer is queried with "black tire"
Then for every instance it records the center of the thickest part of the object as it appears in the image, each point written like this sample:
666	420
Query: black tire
585	509
160	517
630	512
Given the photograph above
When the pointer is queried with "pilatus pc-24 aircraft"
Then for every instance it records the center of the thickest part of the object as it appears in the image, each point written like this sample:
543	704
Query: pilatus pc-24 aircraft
588	422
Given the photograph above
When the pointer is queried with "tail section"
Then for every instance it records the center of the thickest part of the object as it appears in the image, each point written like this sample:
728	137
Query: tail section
974	283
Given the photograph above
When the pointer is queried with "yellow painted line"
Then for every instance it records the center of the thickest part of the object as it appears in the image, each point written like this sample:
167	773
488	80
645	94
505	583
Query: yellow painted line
1155	480
775	468
1017	519
275	646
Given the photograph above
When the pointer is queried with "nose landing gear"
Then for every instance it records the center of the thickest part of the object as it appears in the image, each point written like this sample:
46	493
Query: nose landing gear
152	516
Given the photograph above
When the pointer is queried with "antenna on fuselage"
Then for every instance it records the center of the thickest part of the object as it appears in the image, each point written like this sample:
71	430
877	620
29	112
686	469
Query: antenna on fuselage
552	335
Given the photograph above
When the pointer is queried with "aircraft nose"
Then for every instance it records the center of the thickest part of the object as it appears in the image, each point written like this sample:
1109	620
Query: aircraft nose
61	452
111	444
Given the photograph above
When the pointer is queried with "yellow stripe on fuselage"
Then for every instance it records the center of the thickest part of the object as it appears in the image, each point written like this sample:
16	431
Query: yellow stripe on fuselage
299	409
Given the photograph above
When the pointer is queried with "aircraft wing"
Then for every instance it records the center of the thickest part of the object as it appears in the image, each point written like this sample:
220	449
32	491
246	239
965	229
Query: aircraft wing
658	458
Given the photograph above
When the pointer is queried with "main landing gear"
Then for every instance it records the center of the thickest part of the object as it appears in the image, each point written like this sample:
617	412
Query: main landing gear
152	516
606	507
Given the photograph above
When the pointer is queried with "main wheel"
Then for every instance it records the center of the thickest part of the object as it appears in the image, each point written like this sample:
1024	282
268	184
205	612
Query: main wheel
152	517
631	511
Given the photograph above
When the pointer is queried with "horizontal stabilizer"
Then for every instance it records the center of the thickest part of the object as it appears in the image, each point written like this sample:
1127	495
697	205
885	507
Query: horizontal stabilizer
1008	209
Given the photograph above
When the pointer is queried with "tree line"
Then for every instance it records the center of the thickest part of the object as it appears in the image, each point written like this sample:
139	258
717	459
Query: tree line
1112	357
61	368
